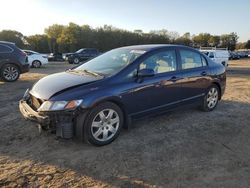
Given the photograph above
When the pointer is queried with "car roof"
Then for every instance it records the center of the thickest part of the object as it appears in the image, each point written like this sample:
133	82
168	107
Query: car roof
6	42
149	47
30	51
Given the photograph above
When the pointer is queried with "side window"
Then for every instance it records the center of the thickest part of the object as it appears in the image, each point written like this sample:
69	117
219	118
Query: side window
190	59
93	51
5	49
132	74
161	62
28	53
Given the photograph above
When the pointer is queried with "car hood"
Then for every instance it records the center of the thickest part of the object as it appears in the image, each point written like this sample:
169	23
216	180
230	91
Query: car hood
68	54
48	86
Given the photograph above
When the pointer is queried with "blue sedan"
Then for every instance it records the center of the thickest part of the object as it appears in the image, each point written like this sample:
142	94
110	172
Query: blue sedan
96	99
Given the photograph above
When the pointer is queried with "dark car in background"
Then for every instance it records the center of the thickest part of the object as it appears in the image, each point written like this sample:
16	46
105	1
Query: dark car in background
242	54
234	56
96	99
82	55
55	57
13	62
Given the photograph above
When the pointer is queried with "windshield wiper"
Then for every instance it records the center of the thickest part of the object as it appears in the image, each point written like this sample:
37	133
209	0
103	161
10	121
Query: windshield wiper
91	72
88	72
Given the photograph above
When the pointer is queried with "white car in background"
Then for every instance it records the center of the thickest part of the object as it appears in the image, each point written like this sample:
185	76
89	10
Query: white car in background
218	55
36	59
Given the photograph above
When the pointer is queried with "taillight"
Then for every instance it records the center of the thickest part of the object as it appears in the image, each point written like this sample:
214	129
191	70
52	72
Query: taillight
23	53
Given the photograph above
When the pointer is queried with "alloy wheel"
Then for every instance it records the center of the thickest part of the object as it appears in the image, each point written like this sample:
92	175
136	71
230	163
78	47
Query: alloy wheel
10	73
212	98
76	60
36	64
105	125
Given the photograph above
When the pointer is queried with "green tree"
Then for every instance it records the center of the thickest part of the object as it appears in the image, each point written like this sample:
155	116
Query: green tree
214	41
229	41
185	39
202	39
13	36
240	45
71	38
247	46
54	32
187	35
38	43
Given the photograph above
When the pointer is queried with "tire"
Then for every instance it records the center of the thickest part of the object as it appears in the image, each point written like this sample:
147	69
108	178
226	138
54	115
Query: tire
36	64
211	99
9	73
99	129
76	60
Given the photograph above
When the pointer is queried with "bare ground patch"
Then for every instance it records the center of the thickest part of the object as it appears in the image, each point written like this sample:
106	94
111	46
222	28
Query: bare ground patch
184	148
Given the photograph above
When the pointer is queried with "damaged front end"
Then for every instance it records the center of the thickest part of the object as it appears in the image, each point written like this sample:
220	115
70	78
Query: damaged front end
54	116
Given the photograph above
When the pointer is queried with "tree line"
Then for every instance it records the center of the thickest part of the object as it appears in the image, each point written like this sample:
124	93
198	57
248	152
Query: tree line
71	37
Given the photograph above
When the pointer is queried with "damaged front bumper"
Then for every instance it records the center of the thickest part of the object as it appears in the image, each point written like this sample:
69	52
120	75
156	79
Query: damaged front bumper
30	114
60	122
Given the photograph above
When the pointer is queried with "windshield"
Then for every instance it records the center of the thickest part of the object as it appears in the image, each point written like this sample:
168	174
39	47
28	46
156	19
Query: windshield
79	51
111	62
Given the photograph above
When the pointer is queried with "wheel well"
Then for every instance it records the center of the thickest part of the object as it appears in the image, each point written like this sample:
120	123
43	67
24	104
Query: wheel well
121	106
218	85
18	66
36	60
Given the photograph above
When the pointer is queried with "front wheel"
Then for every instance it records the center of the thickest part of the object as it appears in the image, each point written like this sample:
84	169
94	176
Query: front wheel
211	99
104	124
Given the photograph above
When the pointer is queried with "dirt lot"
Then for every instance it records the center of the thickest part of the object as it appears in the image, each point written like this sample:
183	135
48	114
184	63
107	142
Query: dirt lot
184	148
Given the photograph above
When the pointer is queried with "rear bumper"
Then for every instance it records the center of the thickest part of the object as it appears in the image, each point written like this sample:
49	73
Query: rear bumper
25	68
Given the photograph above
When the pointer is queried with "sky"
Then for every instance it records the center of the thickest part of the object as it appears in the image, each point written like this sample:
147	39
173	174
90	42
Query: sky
194	16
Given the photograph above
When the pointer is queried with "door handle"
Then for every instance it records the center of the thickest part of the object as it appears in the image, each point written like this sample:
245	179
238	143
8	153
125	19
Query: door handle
175	78
204	73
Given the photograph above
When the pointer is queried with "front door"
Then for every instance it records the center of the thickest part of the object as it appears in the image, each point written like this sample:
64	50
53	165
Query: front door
160	91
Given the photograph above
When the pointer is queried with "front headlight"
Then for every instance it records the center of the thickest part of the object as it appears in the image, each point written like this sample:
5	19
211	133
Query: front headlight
59	105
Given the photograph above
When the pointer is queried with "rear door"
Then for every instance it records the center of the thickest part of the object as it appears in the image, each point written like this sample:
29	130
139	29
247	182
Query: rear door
195	74
5	53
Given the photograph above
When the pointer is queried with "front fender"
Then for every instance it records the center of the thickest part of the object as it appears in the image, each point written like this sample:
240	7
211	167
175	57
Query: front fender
114	99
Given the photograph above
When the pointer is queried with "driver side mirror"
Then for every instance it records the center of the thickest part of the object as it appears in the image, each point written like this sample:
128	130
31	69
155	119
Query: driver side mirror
211	56
146	73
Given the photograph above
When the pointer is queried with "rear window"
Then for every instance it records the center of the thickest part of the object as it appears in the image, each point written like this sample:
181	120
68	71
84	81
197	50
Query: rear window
190	59
91	51
5	49
28	52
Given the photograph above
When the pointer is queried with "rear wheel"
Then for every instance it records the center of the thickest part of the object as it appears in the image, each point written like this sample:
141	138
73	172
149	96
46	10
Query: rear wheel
9	73
211	99
103	124
36	64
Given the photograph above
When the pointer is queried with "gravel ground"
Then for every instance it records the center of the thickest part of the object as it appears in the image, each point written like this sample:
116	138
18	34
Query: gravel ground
183	148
